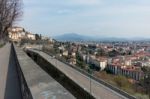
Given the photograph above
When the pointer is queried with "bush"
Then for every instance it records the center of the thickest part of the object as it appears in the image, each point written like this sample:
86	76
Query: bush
1	45
121	81
140	96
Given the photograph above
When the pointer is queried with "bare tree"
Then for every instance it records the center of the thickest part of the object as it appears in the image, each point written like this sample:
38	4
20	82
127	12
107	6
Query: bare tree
10	11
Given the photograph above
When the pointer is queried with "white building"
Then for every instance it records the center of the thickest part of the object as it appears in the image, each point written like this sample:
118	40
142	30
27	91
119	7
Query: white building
31	36
128	62
103	65
16	36
98	62
16	29
73	54
16	33
44	38
65	53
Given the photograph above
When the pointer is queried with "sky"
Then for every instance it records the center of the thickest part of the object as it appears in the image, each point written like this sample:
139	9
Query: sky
103	18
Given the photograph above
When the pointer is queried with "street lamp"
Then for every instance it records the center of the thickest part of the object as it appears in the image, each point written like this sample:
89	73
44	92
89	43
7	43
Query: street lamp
90	71
56	62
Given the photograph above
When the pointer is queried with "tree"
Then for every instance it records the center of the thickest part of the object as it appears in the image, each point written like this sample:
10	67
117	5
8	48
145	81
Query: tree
146	80
146	69
10	11
147	83
37	37
113	53
121	81
101	52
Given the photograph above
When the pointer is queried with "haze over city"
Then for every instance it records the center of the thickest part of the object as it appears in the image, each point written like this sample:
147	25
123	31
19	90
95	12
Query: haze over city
117	18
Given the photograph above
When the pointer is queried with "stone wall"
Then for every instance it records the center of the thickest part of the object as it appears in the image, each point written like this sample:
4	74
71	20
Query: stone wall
53	71
26	94
70	85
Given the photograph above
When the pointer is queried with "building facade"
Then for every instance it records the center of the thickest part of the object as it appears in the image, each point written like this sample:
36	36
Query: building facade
129	71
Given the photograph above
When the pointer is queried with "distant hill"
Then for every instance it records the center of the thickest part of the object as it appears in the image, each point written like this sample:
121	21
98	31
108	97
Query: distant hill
72	37
78	37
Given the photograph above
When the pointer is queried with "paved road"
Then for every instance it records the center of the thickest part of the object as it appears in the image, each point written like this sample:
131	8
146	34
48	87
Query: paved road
9	86
97	89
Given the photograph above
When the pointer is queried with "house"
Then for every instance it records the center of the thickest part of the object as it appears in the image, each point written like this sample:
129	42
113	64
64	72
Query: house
15	33
16	29
30	36
18	33
65	53
128	62
45	38
72	61
99	63
16	36
61	48
73	54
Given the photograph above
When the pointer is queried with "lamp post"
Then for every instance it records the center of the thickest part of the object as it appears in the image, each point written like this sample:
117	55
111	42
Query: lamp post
56	62
90	71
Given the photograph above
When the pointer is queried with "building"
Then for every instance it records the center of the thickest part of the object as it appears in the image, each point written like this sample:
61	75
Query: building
65	53
73	54
16	29
45	38
99	63
128	62
16	34
72	61
82	56
30	36
128	71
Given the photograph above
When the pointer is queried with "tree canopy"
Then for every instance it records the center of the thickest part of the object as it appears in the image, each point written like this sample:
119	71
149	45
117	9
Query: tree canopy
10	11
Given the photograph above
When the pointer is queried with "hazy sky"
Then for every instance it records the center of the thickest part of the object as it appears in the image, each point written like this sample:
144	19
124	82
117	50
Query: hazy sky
110	18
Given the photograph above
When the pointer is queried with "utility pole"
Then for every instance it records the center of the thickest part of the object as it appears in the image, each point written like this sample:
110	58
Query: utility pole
90	71
56	61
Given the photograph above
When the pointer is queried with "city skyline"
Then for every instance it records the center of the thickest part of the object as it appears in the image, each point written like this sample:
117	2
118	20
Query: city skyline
128	18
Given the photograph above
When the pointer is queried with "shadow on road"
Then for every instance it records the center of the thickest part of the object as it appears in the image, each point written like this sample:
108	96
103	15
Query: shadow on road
12	90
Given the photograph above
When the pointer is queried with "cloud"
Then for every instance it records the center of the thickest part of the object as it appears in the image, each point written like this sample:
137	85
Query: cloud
64	11
113	17
86	2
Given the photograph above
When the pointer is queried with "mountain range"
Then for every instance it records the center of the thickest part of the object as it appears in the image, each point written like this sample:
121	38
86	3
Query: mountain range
78	37
72	37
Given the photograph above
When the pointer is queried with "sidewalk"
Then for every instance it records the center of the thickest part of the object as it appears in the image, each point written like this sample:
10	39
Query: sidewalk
9	84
